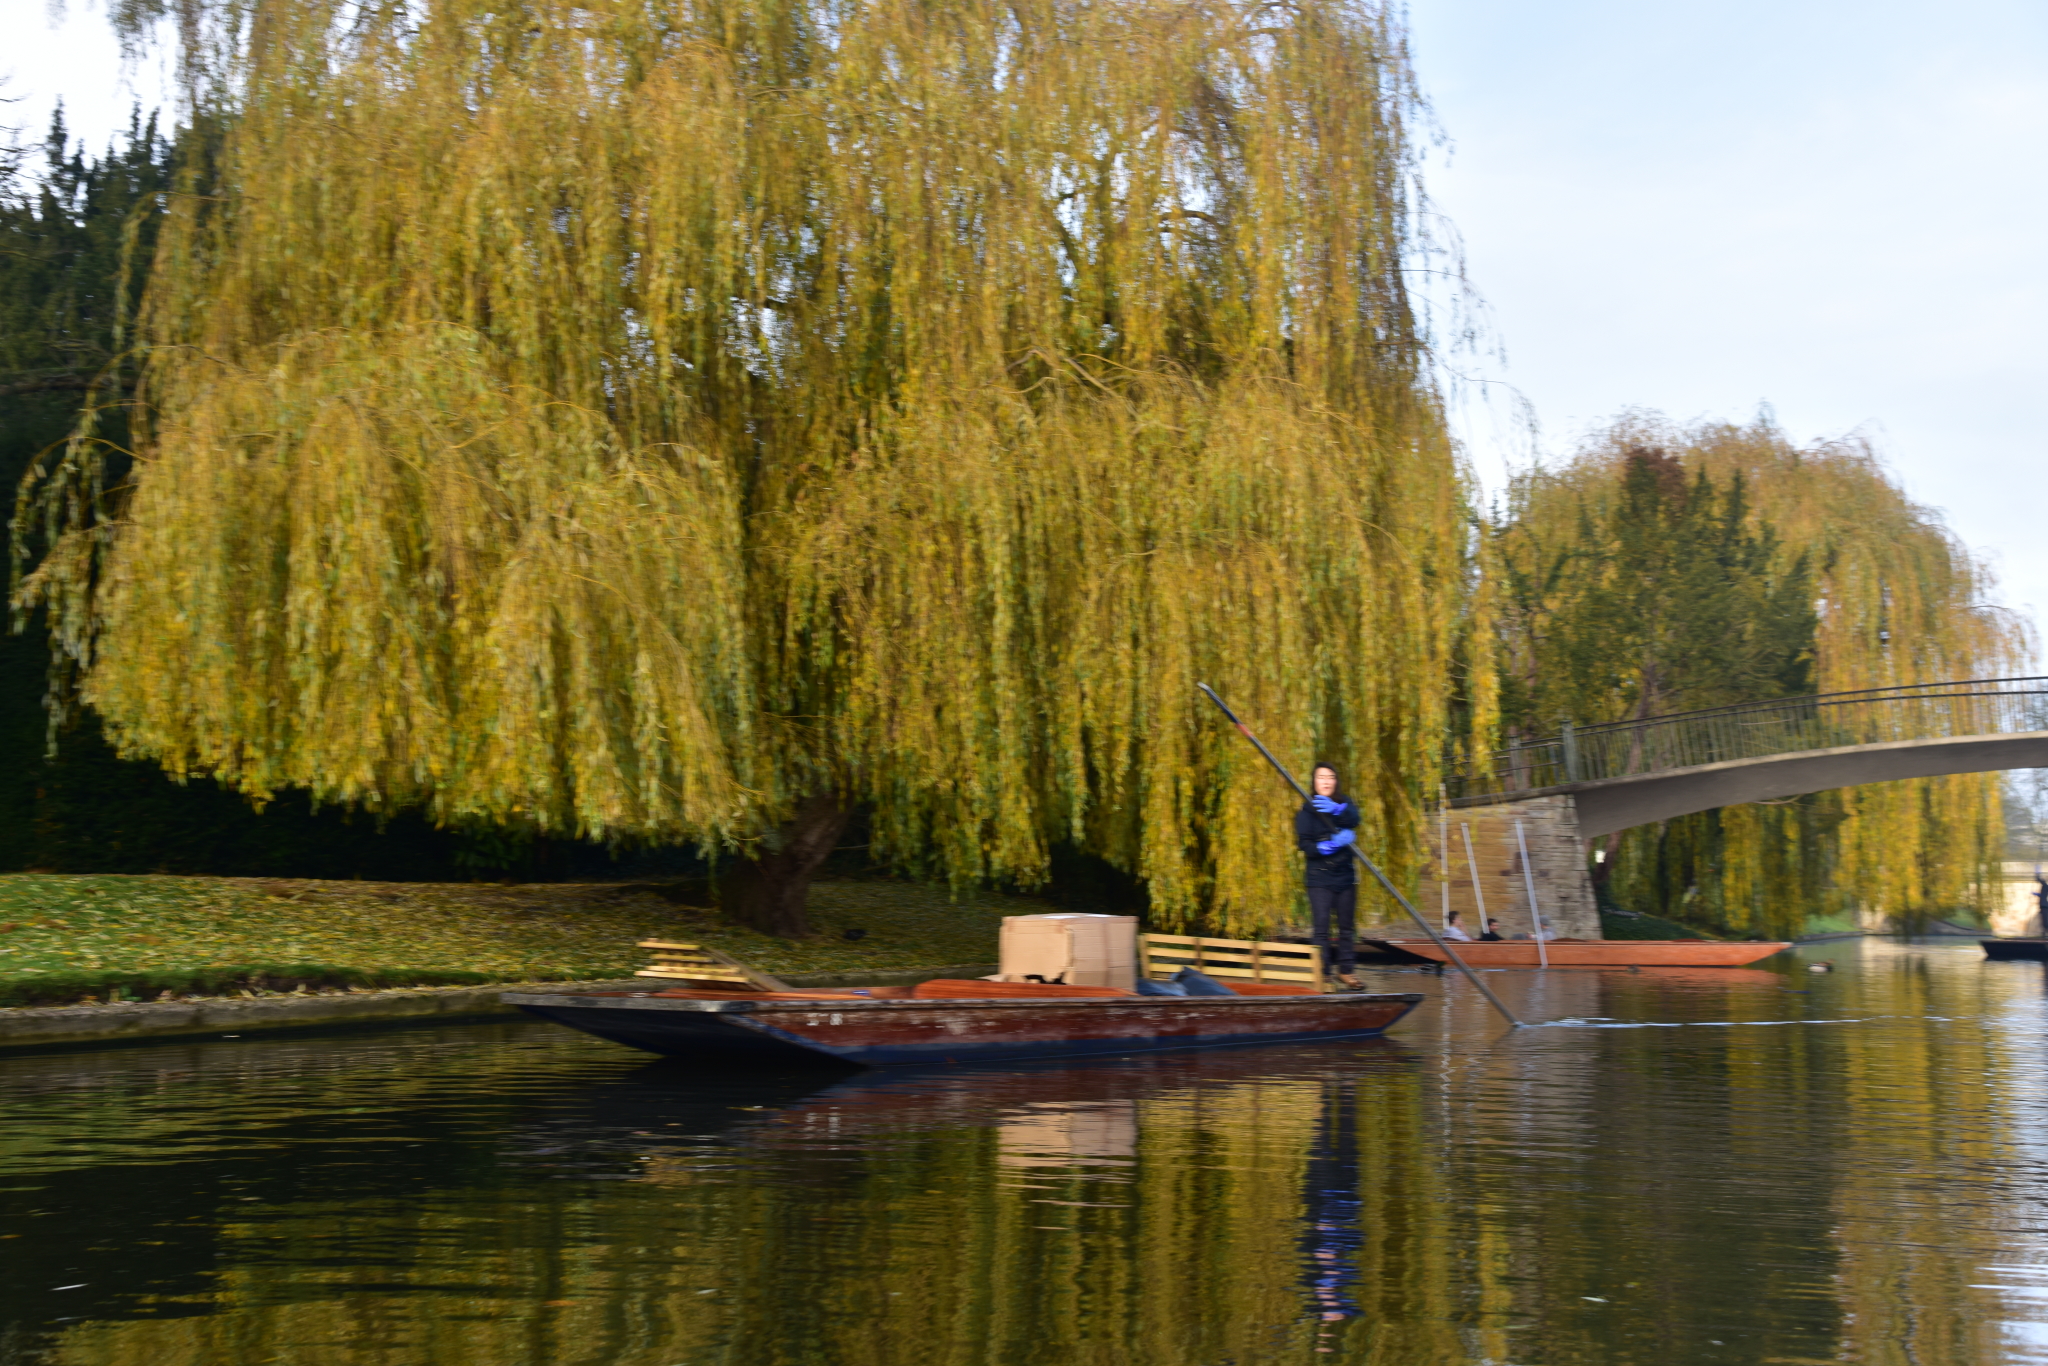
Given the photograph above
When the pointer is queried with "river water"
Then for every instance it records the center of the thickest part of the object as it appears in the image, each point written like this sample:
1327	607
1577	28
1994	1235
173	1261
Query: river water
1765	1165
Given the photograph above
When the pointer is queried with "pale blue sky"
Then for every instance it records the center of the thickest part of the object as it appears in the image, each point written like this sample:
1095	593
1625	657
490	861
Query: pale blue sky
1837	207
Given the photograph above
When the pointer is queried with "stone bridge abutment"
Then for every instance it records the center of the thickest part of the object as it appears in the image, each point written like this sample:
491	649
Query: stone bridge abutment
1557	820
1494	875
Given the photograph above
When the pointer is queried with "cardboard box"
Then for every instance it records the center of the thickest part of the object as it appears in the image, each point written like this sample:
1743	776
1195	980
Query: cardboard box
1079	950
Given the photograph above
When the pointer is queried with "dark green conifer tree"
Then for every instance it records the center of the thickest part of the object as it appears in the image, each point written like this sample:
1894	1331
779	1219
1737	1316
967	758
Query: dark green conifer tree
76	233
65	218
1670	595
1673	597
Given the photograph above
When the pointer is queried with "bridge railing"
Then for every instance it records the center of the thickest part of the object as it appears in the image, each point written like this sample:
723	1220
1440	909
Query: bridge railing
1757	730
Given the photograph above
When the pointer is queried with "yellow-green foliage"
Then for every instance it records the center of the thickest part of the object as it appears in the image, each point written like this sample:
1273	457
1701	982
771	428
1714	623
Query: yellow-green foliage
627	417
1900	601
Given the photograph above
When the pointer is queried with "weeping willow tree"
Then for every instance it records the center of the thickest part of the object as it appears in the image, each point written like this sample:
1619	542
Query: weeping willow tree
687	421
1668	568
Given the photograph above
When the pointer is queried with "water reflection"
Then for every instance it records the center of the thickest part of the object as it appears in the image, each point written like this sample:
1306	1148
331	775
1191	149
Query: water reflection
518	1194
1332	1226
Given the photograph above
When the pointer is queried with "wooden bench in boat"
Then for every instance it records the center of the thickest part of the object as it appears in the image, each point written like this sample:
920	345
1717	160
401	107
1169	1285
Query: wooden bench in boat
1237	963
696	964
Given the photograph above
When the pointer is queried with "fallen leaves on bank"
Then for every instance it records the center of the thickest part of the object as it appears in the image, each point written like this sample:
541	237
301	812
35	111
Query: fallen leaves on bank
61	924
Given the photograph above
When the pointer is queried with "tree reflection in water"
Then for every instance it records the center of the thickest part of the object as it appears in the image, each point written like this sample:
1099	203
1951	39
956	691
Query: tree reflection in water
519	1195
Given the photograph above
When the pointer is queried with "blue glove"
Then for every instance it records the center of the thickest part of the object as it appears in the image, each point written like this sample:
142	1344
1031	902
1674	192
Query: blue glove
1329	806
1336	841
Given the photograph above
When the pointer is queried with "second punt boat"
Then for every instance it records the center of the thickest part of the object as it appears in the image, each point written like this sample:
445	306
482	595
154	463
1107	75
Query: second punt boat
1003	1025
1595	953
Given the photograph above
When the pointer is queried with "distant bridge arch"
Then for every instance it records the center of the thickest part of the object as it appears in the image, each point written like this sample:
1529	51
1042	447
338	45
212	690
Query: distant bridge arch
1635	772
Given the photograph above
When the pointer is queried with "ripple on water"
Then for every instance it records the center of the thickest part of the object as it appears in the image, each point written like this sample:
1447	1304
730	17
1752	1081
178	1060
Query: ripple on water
1669	1171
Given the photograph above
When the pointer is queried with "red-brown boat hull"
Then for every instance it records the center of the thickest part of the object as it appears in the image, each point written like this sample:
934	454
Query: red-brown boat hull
894	1033
1596	953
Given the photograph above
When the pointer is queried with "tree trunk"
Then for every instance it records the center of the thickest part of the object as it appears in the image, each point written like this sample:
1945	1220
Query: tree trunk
767	892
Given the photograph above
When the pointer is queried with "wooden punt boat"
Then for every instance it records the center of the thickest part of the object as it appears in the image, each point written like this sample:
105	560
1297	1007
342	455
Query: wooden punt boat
1595	953
2036	949
972	1022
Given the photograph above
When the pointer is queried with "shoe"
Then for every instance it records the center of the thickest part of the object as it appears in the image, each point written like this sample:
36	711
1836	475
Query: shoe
1350	981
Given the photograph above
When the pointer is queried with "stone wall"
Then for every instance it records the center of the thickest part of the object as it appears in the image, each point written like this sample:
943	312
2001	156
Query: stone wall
2015	913
1557	859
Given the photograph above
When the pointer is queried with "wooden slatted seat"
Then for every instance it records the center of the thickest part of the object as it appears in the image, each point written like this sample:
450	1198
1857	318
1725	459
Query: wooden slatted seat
698	965
1233	962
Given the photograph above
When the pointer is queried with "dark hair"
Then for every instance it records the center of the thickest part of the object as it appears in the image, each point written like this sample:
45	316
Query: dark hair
1324	763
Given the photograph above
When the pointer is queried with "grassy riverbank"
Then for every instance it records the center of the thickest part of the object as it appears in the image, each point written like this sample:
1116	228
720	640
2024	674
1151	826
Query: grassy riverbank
67	936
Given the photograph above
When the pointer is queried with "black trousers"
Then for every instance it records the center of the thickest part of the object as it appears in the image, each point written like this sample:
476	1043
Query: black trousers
1334	914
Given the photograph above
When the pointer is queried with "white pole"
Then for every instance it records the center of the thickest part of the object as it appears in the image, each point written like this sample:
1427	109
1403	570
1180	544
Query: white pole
1529	882
1478	892
1443	848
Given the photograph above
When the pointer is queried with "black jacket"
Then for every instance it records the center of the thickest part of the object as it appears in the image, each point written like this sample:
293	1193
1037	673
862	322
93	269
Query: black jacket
1311	827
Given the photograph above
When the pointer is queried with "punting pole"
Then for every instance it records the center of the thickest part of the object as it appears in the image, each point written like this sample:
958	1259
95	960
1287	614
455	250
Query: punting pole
1472	866
1370	866
1529	882
1443	851
2040	906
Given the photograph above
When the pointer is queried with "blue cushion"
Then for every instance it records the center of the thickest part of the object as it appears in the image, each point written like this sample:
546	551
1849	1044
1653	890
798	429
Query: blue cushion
1197	983
1146	988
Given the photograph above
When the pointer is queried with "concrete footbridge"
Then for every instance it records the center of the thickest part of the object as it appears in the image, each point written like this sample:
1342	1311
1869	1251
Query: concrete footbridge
1634	772
1514	825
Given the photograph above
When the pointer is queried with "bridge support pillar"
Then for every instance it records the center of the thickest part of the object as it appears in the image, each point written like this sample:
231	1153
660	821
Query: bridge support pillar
1557	859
